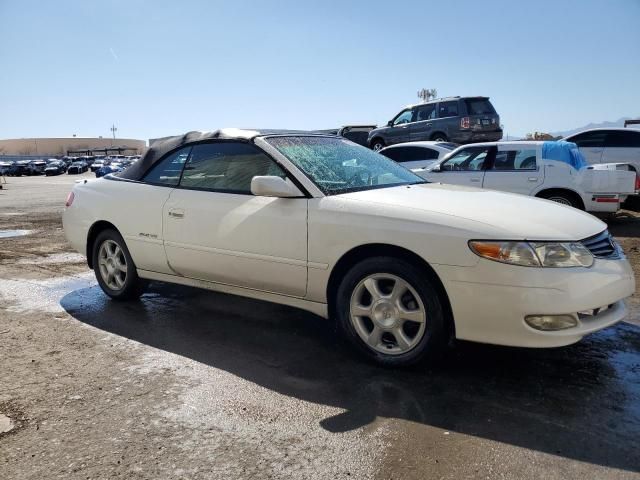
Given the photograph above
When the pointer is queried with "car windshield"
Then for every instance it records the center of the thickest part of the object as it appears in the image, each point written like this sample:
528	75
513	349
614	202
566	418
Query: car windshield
337	165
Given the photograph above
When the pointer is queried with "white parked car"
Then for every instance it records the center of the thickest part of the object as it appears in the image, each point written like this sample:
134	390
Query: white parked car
552	170
417	156
609	145
320	223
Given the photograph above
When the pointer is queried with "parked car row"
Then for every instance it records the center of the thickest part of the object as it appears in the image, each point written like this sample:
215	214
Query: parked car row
463	120
67	164
320	223
605	171
22	167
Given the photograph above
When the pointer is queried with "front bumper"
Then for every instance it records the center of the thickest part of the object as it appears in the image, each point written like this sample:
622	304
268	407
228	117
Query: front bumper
491	300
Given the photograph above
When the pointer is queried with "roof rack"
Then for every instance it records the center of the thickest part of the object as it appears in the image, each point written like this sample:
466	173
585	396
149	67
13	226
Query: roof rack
631	122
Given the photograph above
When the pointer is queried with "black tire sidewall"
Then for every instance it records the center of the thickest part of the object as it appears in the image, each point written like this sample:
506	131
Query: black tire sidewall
377	142
133	286
434	340
568	198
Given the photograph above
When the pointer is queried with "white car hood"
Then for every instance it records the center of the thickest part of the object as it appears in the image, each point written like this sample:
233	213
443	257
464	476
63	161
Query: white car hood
505	216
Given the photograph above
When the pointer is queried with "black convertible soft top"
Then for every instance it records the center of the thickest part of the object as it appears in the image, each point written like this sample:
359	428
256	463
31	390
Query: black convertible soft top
160	148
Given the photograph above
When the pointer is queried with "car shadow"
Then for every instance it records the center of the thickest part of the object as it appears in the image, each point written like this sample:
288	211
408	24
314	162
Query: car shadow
580	402
624	224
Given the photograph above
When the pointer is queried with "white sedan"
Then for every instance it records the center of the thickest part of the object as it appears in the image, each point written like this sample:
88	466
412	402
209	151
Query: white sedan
323	224
553	170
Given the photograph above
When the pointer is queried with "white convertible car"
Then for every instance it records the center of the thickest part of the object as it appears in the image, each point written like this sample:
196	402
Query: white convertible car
323	224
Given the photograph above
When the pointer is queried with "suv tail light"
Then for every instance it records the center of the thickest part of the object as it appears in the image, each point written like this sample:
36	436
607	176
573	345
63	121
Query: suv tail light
637	181
70	198
465	122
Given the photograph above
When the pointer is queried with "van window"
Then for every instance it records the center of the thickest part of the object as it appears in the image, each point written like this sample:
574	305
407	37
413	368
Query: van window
404	117
479	106
426	112
448	109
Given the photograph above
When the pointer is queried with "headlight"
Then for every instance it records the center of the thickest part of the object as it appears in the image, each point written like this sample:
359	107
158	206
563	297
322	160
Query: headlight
535	254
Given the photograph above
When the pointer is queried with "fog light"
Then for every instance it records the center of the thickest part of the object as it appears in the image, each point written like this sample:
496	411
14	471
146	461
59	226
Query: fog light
551	322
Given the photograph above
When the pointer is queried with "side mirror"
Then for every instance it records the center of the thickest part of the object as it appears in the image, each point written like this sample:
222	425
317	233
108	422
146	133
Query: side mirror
390	123
272	186
436	168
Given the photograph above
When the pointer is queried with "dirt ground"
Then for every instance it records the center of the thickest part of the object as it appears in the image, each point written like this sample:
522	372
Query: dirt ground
192	384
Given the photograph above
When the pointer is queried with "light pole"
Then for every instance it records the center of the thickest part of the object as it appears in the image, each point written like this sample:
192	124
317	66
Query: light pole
427	94
113	131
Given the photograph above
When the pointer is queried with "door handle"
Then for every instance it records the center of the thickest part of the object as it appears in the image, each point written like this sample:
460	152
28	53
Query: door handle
176	213
533	179
475	179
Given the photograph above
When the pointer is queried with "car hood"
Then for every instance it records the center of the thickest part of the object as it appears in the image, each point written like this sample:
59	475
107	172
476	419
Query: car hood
498	215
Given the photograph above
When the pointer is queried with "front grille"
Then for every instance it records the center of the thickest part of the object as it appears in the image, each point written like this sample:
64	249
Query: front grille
601	245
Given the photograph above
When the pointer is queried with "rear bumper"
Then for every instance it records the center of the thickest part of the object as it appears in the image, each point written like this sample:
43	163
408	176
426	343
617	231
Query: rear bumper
490	301
477	136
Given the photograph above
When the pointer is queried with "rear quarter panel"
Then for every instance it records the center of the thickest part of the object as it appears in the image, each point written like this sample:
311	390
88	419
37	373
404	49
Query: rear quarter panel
135	209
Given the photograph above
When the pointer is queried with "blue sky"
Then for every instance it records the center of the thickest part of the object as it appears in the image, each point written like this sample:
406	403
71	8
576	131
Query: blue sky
165	67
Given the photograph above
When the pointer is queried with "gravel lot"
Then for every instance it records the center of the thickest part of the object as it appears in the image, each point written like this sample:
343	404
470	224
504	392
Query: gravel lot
192	384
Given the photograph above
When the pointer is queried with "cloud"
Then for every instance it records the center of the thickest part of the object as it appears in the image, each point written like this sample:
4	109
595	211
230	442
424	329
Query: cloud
113	54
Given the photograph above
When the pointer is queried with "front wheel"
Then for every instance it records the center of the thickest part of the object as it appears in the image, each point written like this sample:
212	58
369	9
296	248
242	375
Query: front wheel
391	312
114	267
377	145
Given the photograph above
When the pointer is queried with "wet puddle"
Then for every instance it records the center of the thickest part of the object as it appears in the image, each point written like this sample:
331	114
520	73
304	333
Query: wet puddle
13	233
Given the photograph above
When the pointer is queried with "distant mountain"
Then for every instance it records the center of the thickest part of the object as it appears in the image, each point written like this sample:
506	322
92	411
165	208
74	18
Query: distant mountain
617	123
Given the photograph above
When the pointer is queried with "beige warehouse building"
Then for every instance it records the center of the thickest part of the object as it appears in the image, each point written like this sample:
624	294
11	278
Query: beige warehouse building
60	146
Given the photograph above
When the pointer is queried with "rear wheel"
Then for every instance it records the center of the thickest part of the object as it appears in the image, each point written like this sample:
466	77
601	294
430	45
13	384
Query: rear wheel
439	137
114	267
564	198
391	312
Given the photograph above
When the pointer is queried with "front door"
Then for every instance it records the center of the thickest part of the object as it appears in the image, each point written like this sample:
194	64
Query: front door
466	167
216	230
398	131
515	169
423	126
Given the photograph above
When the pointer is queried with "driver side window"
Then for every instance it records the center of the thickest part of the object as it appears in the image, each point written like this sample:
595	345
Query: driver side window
467	160
404	117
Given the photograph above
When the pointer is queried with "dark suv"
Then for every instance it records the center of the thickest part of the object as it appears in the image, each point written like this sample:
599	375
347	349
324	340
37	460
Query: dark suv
453	119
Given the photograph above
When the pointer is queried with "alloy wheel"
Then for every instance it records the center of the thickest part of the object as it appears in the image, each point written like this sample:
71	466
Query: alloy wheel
387	314
561	200
113	265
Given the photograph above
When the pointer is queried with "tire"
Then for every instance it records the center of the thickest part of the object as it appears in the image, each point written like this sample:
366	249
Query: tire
561	198
377	144
114	268
439	137
380	333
